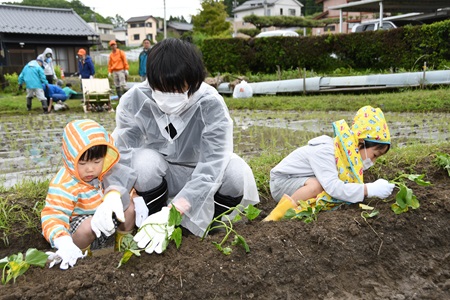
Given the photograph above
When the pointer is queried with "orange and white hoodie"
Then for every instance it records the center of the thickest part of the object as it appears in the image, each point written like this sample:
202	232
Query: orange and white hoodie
68	195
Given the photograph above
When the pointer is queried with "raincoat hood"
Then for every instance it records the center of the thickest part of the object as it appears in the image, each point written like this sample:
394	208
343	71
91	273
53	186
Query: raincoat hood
370	125
46	51
80	135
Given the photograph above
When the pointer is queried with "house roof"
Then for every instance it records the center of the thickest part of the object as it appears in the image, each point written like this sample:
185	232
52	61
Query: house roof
180	26
139	19
42	20
253	4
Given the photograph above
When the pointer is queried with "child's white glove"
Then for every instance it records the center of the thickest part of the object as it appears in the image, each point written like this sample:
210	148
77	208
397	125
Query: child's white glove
67	254
102	219
154	233
380	188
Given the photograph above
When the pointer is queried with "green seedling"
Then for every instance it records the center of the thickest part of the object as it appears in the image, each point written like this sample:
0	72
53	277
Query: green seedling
250	212
405	198
309	215
15	265
442	160
129	247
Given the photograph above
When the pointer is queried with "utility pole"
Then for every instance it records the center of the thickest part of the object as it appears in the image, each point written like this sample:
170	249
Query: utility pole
165	25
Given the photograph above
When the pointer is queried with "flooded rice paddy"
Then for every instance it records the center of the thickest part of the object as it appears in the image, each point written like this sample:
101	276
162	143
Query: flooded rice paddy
30	146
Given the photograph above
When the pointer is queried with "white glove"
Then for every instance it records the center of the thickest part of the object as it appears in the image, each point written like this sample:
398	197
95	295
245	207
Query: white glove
380	188
102	219
79	77
55	78
67	254
91	77
126	72
154	233
141	210
109	74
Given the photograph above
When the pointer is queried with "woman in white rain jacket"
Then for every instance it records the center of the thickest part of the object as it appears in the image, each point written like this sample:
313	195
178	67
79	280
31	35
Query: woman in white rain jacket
176	133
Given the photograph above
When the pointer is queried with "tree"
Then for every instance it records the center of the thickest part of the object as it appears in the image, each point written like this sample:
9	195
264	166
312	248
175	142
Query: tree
311	7
118	21
211	20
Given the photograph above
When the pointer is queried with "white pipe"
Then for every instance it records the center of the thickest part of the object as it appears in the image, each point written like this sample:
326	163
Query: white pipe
323	84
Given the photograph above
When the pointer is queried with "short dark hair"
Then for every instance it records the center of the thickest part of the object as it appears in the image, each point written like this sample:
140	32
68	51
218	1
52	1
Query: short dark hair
95	152
173	63
146	40
68	84
371	144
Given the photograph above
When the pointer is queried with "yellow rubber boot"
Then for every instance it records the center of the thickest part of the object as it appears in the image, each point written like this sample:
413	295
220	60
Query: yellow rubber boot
88	249
118	239
282	207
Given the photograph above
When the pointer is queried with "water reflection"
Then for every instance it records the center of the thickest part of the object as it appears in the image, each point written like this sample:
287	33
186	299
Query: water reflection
30	147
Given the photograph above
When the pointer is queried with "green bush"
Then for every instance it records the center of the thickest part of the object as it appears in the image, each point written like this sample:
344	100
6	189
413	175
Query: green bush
12	85
406	48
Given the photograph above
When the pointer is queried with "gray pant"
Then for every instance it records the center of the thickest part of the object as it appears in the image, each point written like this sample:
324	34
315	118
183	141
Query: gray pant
151	167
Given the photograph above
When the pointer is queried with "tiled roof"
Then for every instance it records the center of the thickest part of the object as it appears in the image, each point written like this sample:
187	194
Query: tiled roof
138	19
42	20
180	26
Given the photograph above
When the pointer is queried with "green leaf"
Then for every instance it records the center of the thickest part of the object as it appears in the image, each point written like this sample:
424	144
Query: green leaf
400	198
397	209
177	236
125	257
35	257
418	179
251	212
174	217
4	261
290	214
239	240
236	218
371	214
227	250
414	203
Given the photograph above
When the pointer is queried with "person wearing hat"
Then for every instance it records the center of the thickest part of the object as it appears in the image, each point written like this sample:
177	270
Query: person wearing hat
33	76
86	69
328	171
118	68
49	65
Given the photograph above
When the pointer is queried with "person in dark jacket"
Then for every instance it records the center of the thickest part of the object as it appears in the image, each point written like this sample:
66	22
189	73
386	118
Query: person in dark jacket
54	93
86	67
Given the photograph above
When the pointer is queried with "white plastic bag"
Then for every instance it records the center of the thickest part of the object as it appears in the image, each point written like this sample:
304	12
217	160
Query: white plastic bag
243	90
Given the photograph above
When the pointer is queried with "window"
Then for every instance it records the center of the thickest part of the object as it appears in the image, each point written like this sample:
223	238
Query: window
148	24
291	12
281	11
150	37
329	28
268	13
136	37
133	25
141	25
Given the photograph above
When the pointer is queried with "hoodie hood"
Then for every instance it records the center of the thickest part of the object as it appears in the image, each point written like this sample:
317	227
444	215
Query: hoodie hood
46	51
80	135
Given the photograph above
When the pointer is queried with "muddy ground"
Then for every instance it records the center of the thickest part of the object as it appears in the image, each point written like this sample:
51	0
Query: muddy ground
339	256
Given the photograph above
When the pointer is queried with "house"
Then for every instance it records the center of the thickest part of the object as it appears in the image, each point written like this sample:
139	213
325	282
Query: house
179	27
121	35
105	33
140	28
25	32
264	8
350	18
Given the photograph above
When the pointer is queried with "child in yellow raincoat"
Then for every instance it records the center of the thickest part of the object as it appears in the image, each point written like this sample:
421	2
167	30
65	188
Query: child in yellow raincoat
329	170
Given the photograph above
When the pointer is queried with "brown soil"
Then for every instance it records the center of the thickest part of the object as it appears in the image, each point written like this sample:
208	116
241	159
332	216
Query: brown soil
339	256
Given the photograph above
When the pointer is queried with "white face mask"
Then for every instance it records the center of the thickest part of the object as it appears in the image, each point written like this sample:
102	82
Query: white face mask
367	163
171	103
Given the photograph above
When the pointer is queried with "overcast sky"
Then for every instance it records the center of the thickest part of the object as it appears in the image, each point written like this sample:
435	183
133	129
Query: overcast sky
136	8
